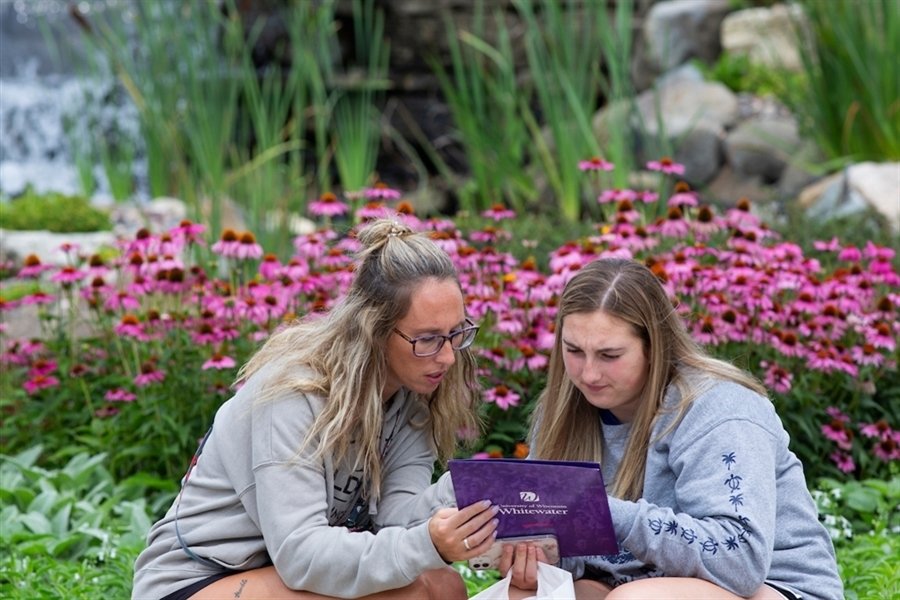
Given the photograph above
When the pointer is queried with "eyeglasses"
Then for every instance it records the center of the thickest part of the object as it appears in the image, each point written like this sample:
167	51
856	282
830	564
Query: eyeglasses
429	345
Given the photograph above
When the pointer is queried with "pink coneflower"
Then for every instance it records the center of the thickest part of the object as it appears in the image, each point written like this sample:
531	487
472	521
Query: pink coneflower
666	165
40	382
219	361
190	232
131	326
149	375
119	395
531	358
595	164
674	224
228	243
879	429
843	461
328	205
372	210
270	266
867	354
42	367
617	195
38	298
381	190
248	248
687	198
850	254
502	396
32	267
121	300
777	378
837	431
498	212
833	245
313	245
67	276
881	336
888	448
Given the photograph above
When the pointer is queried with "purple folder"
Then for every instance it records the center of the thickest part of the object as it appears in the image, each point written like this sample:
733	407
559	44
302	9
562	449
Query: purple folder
564	498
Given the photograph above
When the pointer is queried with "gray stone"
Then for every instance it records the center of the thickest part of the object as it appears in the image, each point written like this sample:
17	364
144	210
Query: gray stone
682	104
762	147
16	245
767	35
678	30
859	187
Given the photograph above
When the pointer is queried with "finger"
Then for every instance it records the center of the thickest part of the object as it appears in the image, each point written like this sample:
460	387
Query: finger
524	572
486	532
506	559
541	555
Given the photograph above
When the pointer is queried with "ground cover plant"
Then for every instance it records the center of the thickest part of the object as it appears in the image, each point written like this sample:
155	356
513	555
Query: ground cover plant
166	319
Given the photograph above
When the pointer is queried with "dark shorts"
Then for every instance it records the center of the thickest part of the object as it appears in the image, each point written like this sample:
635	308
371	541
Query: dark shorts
188	591
787	594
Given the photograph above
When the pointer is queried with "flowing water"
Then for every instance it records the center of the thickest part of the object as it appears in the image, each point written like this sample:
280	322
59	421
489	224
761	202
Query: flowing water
55	101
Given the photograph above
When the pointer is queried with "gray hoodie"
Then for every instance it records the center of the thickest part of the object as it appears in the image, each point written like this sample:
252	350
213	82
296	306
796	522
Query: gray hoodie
251	500
724	500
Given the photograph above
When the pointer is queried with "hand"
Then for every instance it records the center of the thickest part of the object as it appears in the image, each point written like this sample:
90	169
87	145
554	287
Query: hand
523	560
460	534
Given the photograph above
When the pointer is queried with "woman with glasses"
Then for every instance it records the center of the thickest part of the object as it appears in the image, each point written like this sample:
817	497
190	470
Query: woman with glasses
314	478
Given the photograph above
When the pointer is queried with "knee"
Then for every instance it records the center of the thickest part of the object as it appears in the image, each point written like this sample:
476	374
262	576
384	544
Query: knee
441	584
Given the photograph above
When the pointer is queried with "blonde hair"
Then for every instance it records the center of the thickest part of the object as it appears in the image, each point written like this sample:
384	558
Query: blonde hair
340	356
566	426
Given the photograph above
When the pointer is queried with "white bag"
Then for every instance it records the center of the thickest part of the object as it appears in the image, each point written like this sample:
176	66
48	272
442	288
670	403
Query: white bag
553	584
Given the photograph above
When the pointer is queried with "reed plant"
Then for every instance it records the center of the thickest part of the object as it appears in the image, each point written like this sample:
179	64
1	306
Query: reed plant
357	117
568	46
850	99
485	99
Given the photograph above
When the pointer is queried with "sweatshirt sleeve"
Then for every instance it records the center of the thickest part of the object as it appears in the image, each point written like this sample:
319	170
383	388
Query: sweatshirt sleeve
725	488
407	495
292	498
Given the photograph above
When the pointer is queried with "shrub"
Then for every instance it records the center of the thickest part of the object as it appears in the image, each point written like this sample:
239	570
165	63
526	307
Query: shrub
72	532
169	327
53	212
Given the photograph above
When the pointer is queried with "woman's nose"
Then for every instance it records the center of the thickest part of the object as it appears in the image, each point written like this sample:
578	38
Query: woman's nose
446	355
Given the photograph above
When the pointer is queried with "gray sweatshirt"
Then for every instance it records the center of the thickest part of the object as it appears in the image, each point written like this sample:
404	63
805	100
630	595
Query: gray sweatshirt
724	500
251	500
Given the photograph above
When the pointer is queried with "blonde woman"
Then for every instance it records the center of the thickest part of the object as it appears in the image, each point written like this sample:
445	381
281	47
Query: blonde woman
314	478
707	499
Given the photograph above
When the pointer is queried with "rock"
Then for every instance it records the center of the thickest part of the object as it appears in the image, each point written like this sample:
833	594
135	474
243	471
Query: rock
727	187
16	245
678	30
762	146
857	188
765	35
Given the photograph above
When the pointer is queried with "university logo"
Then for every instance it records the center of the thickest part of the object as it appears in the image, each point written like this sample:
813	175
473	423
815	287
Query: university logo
529	496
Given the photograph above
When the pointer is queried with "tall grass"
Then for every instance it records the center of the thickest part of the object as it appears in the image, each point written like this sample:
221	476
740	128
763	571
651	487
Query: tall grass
357	114
485	99
850	102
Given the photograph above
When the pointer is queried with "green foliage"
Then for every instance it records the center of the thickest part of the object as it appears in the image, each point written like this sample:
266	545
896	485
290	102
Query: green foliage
52	212
485	96
851	101
741	74
869	566
863	519
72	532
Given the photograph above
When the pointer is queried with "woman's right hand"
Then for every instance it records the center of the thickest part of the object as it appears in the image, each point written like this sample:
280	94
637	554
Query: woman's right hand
461	534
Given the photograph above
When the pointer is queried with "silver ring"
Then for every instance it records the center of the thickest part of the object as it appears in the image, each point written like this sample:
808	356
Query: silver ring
466	543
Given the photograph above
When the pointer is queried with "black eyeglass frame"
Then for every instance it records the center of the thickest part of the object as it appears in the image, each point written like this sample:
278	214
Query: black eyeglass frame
470	326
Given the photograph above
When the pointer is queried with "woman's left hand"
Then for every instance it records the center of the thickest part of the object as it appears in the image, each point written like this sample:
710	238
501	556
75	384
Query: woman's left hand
522	559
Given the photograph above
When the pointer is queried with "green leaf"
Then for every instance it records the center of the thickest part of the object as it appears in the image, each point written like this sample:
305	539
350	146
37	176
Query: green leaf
37	523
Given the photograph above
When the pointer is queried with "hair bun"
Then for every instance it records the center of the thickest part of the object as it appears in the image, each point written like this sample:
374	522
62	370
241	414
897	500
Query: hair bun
376	233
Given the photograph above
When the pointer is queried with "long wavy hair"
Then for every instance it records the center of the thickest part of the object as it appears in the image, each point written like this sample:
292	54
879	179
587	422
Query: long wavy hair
341	356
567	427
